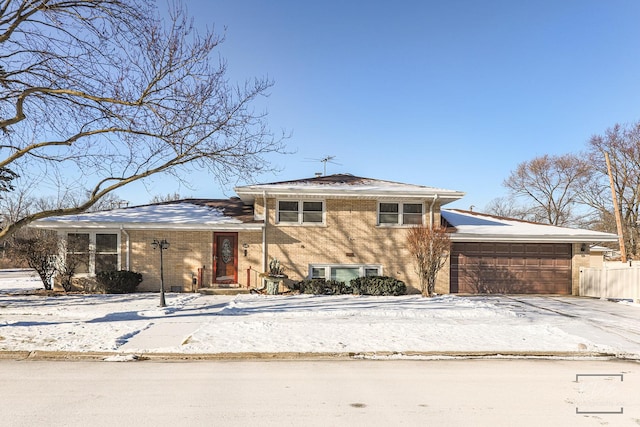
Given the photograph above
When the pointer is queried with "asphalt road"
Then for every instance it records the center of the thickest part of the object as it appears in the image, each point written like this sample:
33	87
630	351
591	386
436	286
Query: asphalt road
321	393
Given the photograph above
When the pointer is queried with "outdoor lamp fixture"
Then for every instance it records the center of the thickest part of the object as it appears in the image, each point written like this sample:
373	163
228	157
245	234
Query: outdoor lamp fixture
245	246
162	245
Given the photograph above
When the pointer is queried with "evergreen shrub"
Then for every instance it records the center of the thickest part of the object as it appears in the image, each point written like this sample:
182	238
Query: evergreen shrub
371	285
321	287
378	285
118	282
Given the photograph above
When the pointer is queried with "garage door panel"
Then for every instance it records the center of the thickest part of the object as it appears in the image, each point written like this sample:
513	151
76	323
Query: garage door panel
511	268
500	248
547	262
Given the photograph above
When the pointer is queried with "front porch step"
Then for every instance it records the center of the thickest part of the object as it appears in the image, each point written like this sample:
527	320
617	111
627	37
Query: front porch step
223	291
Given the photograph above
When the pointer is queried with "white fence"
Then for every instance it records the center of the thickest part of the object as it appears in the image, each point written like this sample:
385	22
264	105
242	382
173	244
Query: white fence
619	282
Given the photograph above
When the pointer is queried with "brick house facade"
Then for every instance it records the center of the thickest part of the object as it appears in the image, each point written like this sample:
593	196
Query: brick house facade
332	227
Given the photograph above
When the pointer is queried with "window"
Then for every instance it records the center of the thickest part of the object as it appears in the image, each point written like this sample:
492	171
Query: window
106	252
77	257
318	273
371	271
91	253
300	212
412	213
399	213
343	273
287	211
311	212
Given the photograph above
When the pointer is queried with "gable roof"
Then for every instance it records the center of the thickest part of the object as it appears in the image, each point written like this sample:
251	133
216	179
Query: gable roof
477	227
346	185
179	214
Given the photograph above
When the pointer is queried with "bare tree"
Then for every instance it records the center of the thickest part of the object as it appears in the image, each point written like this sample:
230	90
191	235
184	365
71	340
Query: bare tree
622	143
430	247
96	94
550	185
169	197
76	259
508	207
38	249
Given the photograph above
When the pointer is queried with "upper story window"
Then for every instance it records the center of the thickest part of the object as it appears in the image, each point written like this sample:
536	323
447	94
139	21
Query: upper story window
300	212
399	213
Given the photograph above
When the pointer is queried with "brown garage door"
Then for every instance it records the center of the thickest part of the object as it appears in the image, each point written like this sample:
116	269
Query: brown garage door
541	268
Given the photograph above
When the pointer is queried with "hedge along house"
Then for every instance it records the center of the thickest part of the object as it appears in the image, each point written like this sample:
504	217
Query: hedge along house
333	227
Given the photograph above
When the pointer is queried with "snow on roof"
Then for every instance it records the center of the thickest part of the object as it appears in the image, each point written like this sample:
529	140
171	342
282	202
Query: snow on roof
178	214
473	226
346	185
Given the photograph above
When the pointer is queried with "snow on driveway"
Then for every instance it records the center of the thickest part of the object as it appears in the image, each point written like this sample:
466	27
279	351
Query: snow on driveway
192	323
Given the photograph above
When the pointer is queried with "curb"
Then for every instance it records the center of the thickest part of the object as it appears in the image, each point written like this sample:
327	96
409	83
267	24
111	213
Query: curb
283	356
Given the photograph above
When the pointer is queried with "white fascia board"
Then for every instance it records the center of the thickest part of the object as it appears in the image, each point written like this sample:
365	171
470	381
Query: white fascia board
75	225
456	237
444	197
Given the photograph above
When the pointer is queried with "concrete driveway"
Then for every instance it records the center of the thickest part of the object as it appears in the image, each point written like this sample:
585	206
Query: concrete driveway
615	323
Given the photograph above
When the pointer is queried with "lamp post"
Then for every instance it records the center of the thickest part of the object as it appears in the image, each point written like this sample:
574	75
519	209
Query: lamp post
162	245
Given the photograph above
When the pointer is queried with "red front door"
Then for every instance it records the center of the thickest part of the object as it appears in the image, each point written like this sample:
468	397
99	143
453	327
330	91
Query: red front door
225	258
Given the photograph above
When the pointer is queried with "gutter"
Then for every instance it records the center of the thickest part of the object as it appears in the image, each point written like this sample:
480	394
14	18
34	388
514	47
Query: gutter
264	231
431	214
128	258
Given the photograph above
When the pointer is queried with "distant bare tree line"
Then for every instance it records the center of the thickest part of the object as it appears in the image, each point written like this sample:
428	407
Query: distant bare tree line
573	189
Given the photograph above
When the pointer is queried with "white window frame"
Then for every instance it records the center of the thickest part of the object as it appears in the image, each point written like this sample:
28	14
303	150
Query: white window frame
400	213
301	212
327	269
92	249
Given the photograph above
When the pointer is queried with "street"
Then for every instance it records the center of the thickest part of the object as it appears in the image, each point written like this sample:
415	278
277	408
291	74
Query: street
489	392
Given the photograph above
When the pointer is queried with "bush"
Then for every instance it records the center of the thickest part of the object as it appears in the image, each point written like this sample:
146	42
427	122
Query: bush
378	285
321	287
118	282
372	285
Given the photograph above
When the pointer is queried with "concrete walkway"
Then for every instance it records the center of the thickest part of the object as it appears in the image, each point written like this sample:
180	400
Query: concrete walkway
175	331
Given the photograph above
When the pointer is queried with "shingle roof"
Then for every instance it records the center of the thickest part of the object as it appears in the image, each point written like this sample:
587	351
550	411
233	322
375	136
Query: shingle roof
188	213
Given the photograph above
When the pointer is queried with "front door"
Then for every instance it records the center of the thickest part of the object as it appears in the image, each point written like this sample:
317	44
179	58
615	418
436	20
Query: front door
225	258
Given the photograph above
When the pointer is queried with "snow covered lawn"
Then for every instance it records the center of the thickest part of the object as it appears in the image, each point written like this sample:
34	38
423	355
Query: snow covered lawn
320	324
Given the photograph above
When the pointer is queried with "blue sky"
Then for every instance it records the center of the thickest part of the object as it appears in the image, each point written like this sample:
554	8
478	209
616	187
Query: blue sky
449	93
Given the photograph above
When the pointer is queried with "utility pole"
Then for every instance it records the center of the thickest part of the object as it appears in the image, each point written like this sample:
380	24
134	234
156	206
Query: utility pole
616	210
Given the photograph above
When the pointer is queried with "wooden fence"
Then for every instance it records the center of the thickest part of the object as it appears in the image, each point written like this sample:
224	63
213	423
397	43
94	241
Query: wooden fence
618	282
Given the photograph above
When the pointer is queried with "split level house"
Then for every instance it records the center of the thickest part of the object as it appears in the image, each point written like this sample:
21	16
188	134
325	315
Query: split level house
332	227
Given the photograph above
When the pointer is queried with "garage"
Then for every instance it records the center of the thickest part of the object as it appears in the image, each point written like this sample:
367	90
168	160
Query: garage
511	268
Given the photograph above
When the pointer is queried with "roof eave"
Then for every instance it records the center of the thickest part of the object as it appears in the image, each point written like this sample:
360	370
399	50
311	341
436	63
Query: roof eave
443	196
468	237
78	225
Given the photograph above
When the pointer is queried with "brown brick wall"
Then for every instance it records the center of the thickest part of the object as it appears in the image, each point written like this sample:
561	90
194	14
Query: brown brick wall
350	236
188	251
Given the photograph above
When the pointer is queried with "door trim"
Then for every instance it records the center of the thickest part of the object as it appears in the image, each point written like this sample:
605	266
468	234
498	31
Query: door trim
215	260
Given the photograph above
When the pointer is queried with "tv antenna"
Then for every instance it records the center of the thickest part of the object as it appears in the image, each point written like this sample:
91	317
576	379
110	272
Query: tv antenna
324	161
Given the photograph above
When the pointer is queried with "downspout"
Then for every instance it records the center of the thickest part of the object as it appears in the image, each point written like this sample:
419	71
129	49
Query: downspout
128	257
431	213
264	231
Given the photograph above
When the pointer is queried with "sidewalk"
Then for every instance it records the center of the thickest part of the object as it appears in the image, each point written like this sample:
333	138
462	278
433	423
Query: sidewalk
258	326
175	331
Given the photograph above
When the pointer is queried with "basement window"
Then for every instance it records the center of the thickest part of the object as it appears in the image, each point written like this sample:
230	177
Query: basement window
342	272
